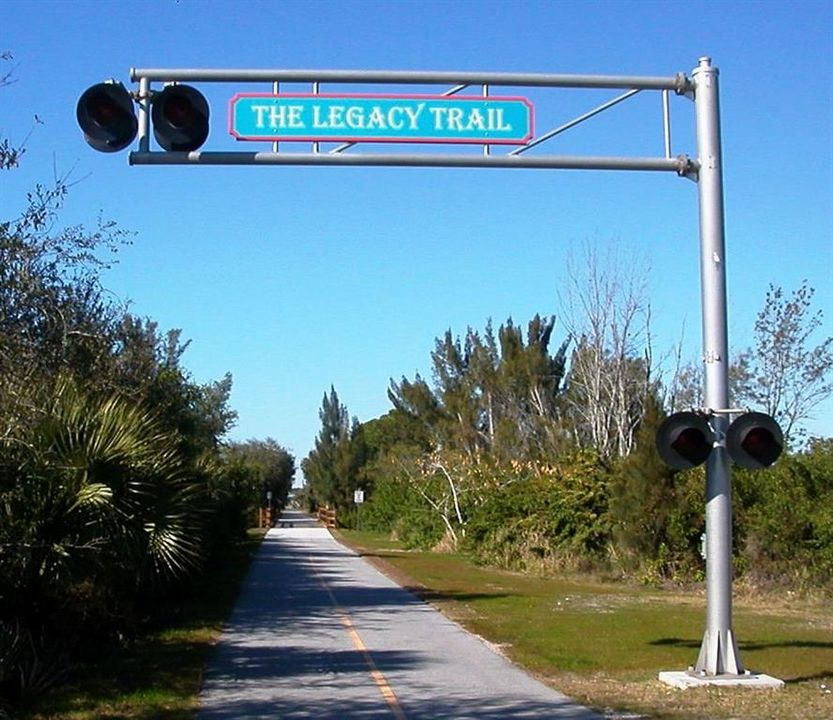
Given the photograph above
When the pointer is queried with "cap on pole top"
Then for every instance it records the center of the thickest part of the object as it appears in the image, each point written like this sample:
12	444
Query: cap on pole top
705	67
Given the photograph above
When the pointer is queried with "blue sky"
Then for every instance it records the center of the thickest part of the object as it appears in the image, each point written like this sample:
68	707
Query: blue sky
295	279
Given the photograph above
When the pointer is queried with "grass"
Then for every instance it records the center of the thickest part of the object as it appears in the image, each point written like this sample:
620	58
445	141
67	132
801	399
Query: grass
159	676
604	643
600	643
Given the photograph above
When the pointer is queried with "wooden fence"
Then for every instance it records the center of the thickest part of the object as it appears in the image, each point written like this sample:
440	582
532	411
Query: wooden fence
264	517
327	516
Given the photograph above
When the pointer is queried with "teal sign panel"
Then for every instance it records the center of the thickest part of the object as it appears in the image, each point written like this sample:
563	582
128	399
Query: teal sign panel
381	118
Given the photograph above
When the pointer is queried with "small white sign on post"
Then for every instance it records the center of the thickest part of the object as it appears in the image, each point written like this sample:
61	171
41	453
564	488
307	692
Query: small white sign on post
358	497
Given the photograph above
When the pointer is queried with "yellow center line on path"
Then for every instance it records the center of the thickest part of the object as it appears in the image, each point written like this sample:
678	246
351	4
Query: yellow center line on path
381	682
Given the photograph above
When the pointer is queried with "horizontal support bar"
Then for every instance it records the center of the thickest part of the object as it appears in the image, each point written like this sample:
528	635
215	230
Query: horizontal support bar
681	165
680	83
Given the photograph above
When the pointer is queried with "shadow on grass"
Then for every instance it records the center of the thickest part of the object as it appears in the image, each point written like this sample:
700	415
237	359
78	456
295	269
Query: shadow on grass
158	676
152	680
451	595
748	645
423	593
825	674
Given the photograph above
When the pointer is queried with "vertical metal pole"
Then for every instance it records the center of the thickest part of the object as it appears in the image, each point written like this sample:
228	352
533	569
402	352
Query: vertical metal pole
315	89
276	89
144	115
486	148
718	653
666	123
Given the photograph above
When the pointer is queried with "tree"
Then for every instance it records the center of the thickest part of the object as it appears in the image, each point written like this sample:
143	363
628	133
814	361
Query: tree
9	153
332	469
146	366
785	374
273	466
490	394
529	384
55	317
610	371
106	445
396	428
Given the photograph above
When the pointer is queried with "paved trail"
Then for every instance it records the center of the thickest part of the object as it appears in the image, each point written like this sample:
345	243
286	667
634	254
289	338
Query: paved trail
319	633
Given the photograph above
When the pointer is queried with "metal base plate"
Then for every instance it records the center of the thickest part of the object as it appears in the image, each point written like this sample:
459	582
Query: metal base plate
689	679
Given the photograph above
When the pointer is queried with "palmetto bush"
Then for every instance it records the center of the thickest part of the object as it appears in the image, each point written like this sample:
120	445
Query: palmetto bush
96	509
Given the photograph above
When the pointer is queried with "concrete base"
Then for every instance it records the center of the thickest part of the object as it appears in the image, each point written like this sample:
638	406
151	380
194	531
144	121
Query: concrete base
690	679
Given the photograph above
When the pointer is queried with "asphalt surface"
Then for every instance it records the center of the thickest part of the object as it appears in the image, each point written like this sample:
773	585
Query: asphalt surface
320	633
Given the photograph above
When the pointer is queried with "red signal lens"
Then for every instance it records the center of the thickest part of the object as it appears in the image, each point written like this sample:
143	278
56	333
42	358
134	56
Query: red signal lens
179	112
691	442
754	440
102	109
757	440
684	440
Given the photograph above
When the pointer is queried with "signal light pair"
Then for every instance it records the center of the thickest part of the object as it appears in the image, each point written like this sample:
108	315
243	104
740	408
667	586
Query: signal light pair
685	439
179	114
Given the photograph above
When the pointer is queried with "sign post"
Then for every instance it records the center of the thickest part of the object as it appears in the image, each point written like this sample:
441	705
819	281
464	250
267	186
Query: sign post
358	499
491	120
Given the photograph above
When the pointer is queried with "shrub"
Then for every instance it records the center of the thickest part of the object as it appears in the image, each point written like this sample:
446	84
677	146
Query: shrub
543	516
784	520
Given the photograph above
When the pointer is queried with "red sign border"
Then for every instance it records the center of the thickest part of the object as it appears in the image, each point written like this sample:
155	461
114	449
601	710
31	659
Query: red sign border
381	96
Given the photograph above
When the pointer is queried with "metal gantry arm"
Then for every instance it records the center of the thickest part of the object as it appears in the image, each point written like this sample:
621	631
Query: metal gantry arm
679	84
682	165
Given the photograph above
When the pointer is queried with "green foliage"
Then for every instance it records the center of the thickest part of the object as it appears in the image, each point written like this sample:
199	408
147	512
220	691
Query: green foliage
393	496
393	431
95	509
409	500
784	522
490	394
418	528
113	490
543	516
232	493
484	459
656	512
785	375
272	470
332	469
55	317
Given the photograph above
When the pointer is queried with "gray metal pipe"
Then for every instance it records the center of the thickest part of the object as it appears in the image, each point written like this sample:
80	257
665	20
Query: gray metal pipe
718	652
681	165
679	83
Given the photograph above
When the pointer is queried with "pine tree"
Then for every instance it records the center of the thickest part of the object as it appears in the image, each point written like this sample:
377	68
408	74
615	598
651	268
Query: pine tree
332	469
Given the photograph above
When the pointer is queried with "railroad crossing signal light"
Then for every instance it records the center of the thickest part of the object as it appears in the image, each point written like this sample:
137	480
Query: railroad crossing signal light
105	114
684	440
754	440
180	118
